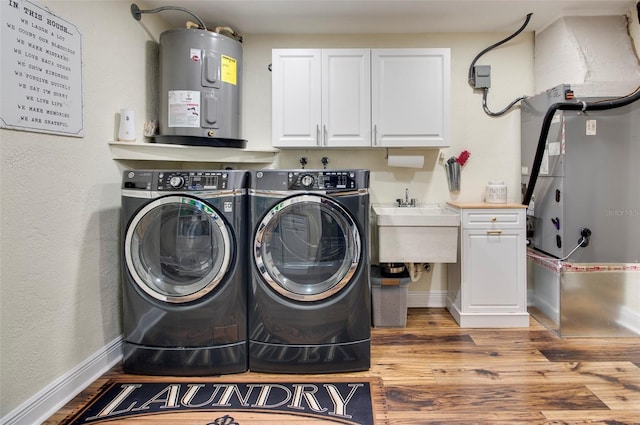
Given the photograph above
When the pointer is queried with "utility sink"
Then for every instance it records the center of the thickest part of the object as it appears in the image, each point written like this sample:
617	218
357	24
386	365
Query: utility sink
421	234
428	215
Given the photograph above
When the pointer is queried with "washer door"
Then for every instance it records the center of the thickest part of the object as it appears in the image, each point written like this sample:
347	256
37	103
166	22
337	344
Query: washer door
177	249
307	247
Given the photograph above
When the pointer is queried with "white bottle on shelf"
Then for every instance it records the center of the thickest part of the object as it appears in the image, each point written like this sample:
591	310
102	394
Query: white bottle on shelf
127	130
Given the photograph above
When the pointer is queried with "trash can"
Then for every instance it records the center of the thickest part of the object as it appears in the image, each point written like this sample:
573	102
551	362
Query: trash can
389	299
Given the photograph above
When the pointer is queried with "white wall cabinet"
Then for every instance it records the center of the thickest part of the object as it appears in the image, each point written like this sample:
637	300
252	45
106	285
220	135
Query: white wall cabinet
411	98
487	286
360	97
321	98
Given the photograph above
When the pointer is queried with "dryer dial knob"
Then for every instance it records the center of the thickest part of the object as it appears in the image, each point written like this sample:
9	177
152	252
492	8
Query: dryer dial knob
307	180
176	182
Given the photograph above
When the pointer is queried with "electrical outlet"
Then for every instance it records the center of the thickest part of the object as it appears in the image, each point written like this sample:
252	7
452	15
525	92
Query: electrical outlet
482	75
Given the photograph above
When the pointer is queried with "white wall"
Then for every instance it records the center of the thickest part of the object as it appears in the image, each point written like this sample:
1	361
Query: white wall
577	50
60	282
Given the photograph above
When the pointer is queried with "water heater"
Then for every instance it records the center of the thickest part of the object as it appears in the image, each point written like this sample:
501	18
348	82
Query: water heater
200	88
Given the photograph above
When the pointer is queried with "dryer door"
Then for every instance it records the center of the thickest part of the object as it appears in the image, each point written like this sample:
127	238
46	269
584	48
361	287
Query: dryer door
307	247
177	248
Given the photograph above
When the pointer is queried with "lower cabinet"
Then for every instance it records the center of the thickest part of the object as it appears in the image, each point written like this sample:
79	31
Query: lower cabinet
487	285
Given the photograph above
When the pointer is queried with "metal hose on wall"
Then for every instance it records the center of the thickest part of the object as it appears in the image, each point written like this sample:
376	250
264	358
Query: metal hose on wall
471	79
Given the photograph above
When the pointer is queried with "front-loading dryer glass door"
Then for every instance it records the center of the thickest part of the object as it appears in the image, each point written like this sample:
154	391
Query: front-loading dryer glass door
307	247
177	249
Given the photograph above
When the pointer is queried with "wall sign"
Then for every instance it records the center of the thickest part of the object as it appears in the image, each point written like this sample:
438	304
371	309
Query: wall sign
41	80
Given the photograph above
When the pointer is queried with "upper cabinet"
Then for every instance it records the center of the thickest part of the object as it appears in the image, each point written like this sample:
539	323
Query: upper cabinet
360	97
321	98
411	98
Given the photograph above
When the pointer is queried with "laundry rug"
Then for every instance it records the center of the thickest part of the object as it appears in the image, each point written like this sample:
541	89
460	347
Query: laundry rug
199	401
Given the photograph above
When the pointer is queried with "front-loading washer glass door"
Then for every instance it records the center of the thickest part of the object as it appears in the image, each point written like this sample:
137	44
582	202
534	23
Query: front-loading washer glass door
177	248
307	247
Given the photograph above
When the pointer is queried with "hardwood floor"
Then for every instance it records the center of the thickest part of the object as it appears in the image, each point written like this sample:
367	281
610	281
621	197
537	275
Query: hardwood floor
435	372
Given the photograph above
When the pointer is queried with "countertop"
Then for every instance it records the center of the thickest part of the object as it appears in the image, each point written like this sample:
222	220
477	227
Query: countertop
483	205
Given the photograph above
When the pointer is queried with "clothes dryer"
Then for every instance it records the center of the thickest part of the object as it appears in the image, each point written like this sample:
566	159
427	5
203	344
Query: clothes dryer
184	272
309	295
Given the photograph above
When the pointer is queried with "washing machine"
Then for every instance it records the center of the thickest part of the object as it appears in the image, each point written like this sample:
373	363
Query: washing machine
309	293
184	272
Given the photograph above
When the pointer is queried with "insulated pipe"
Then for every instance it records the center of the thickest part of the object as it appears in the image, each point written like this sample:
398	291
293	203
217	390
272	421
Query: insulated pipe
569	106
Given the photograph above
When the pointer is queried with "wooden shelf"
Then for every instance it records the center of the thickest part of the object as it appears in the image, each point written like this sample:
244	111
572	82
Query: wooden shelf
167	152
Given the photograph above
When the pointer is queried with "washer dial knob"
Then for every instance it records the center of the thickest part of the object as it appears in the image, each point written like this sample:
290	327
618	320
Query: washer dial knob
176	182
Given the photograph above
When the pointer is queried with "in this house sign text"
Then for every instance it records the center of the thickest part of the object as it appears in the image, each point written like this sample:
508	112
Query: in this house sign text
41	84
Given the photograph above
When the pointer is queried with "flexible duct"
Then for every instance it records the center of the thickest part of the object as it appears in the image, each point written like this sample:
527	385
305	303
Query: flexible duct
569	106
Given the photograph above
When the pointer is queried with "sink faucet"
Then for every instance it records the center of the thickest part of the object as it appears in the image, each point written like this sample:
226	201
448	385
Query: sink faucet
406	202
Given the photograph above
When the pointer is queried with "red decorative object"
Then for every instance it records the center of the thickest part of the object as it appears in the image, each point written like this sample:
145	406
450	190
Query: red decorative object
463	157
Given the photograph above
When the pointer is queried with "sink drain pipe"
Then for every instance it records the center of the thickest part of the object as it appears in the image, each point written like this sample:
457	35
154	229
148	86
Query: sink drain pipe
415	271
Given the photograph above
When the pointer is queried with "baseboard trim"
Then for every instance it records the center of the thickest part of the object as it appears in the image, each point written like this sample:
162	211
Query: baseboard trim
421	299
54	396
488	320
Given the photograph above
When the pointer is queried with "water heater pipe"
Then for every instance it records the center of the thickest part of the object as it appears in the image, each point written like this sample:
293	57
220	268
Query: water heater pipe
231	31
136	12
569	106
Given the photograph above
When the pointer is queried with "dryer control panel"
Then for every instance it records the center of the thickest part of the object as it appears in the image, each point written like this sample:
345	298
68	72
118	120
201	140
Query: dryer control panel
322	180
309	180
192	180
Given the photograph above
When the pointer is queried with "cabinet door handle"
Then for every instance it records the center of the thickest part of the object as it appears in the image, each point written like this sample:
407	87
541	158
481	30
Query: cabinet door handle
494	232
375	135
324	135
317	134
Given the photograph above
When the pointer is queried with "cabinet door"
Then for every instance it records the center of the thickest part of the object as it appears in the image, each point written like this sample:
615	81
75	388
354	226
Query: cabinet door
346	97
493	267
296	97
410	97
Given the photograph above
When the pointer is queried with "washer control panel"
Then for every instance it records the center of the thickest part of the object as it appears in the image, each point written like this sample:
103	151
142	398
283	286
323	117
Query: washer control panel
321	180
192	180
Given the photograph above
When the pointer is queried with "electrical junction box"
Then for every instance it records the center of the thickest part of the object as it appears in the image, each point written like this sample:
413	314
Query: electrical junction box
482	75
